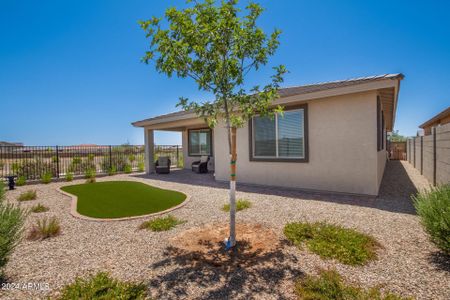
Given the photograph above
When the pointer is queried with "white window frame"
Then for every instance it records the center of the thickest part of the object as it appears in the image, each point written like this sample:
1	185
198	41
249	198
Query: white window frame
276	138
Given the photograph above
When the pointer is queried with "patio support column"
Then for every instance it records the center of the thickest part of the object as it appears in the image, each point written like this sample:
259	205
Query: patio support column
149	151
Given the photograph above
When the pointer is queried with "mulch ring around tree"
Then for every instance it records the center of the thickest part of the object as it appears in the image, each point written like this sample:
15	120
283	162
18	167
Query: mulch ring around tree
205	244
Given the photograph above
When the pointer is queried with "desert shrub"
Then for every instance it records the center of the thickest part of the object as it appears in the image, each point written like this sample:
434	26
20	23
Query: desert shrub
69	176
241	204
27	196
102	286
2	165
38	208
132	158
117	161
90	175
331	241
54	159
76	160
161	224
112	171
127	169
91	156
44	228
33	168
80	166
329	285
141	166
21	181
433	208
46	178
12	219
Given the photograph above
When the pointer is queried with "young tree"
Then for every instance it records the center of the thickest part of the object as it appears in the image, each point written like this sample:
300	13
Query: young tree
217	45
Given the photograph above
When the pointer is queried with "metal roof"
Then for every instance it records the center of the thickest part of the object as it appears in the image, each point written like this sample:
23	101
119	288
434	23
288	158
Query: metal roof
303	89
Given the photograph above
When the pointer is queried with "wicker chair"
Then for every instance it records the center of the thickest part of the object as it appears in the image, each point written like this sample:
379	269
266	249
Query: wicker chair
201	166
162	165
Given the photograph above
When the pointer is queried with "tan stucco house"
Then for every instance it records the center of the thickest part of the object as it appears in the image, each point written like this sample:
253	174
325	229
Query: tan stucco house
332	137
440	119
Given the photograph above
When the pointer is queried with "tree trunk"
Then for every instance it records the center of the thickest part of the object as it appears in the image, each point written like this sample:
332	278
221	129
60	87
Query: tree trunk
233	158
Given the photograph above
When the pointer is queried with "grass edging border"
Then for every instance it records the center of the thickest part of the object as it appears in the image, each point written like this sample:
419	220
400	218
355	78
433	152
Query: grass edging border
76	214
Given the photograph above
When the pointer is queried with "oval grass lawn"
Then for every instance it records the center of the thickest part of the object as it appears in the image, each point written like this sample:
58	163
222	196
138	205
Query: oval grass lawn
119	199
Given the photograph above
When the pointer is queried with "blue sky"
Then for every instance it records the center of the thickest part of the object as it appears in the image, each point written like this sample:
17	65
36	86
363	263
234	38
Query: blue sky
70	71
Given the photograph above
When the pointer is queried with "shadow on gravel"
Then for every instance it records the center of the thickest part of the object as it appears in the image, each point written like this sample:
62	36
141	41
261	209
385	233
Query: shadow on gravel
394	196
440	260
240	276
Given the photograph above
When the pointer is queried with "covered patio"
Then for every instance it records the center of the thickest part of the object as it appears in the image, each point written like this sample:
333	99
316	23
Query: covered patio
196	137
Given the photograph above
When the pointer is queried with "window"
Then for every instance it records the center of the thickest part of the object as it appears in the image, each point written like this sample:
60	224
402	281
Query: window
380	126
282	138
199	142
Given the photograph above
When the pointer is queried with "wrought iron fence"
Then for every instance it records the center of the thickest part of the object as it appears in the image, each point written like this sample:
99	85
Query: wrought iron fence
32	162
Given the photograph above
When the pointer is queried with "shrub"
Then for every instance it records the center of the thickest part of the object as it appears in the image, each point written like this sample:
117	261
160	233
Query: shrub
330	241
102	286
127	169
131	158
12	219
161	224
27	196
112	171
433	208
46	178
91	156
90	175
44	228
69	176
330	286
54	159
21	181
38	208
33	168
141	166
117	161
241	204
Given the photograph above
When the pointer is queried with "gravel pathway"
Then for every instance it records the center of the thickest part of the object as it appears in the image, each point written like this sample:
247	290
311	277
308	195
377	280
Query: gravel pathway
408	264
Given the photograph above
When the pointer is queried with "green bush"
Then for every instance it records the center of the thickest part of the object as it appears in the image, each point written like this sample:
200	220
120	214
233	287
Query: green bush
12	219
21	181
330	241
90	175
102	286
141	166
38	208
46	178
161	224
131	158
33	168
69	176
80	166
127	169
117	161
44	228
27	196
112	171
241	204
330	286
91	156
433	208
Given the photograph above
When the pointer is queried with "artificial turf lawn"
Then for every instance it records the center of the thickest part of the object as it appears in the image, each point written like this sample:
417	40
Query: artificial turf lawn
118	199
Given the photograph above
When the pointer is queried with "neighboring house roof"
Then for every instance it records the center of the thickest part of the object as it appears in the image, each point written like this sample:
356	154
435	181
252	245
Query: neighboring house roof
443	114
343	85
2	143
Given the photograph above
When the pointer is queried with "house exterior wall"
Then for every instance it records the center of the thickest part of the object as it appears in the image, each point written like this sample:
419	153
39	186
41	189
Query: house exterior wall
343	154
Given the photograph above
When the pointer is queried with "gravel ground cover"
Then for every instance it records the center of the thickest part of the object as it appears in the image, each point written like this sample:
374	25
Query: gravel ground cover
408	264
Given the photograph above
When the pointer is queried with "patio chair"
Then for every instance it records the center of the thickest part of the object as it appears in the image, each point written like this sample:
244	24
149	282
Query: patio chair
162	165
201	166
